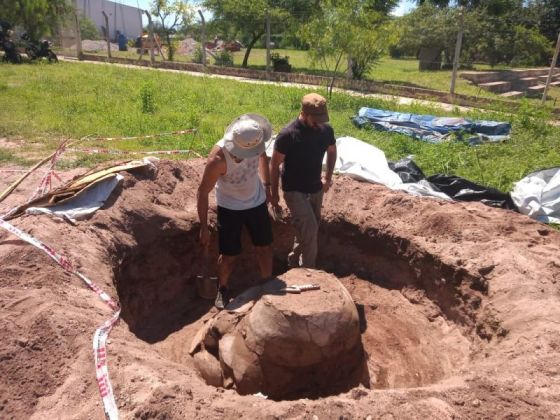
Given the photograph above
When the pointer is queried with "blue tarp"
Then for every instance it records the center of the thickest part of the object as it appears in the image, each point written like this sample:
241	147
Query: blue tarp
433	129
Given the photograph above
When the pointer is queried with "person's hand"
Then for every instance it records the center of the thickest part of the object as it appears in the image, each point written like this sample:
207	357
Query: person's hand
204	238
276	213
327	184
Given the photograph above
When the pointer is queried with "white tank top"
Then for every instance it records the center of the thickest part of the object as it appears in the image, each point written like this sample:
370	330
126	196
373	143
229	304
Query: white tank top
240	188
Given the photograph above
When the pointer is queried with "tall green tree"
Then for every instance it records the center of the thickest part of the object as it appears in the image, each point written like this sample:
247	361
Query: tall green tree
171	15
348	34
544	15
506	38
247	18
38	17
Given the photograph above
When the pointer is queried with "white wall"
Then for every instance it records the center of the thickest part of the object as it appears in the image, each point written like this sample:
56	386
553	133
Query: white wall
123	18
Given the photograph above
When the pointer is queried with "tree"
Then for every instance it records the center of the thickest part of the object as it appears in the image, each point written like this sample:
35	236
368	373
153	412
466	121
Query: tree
172	15
352	33
88	28
247	18
429	26
544	15
507	38
37	17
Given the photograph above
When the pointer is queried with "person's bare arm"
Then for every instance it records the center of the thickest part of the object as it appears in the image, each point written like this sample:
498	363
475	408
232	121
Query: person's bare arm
275	162
215	167
265	174
331	160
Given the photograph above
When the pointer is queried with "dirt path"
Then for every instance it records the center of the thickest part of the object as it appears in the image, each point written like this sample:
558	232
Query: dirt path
459	306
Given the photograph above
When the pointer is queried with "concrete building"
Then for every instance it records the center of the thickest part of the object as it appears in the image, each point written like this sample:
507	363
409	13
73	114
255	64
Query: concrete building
125	19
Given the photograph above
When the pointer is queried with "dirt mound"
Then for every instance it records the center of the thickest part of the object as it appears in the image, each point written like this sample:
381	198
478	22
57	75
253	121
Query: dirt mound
458	307
97	45
187	46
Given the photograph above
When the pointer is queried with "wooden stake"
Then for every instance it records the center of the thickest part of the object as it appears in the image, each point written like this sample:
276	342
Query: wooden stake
457	55
107	36
552	65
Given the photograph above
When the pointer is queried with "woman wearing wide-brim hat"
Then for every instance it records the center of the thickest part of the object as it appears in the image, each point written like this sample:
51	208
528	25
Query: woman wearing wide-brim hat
237	167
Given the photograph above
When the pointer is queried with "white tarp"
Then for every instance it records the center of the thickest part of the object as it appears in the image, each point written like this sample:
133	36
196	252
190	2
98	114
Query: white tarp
367	163
538	195
83	204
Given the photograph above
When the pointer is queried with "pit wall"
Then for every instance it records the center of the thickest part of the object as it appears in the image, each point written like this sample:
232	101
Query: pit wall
156	276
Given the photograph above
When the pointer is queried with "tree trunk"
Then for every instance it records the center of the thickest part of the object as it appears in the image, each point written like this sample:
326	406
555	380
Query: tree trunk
170	51
256	37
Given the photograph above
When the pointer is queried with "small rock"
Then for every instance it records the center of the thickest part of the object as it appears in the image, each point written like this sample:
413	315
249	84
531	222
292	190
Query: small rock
483	271
476	403
22	342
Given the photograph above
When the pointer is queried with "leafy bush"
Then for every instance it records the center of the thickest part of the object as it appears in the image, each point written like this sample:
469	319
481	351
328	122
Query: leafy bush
88	28
197	56
224	58
530	48
147	98
280	63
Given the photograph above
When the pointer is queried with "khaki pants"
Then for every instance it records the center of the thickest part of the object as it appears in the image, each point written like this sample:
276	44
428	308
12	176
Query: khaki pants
306	215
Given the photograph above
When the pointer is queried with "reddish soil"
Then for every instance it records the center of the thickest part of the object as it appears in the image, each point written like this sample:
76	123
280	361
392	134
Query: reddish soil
459	306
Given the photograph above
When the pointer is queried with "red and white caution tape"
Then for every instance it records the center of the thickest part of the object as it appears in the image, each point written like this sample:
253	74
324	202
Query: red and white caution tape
46	182
131	152
101	334
149	136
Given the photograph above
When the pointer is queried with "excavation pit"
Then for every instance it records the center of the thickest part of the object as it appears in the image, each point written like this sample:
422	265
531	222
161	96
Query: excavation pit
457	308
414	330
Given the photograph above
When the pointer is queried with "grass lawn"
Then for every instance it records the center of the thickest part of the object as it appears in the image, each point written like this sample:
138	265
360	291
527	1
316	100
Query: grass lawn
389	70
43	104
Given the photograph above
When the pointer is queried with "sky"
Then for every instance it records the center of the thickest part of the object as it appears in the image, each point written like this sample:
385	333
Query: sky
404	7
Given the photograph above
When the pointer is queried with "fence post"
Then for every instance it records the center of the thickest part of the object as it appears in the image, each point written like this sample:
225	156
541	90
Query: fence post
150	36
267	42
457	54
552	65
78	32
107	33
203	38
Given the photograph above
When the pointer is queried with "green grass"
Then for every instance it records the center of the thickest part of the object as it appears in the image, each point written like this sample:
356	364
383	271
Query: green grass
47	103
397	71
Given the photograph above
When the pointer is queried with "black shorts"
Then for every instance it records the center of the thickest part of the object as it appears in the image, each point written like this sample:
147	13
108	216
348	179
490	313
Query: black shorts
231	222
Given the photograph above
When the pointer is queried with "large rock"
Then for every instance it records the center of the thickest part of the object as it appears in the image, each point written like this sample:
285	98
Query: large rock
286	345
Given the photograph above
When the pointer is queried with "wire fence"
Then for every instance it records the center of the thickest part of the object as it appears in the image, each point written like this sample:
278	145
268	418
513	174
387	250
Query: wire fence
429	70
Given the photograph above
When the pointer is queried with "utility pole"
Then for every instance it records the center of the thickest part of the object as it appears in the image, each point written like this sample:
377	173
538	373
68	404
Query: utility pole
457	54
552	65
107	33
203	38
267	41
78	32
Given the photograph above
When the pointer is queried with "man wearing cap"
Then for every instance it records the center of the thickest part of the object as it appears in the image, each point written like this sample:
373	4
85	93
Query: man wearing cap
233	167
300	147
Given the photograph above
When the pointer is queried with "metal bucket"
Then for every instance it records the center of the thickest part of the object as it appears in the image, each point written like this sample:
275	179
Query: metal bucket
207	287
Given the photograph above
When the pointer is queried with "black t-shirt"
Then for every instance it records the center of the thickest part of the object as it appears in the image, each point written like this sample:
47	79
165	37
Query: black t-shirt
304	148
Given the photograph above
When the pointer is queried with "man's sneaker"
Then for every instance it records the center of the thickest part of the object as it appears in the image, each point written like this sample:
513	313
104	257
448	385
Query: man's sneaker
222	298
